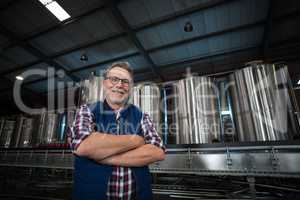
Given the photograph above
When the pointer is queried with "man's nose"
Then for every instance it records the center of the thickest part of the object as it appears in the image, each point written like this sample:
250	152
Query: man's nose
119	84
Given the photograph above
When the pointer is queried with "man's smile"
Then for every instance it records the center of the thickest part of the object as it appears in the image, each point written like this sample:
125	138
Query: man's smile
118	91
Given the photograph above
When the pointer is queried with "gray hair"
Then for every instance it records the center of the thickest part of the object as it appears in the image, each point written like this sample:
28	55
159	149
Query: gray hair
123	65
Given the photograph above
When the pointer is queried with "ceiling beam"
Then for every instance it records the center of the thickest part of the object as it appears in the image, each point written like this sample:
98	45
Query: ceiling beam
185	12
182	13
60	25
217	33
72	20
64	52
242	27
132	36
104	62
80	69
195	61
177	65
210	56
36	52
85	68
178	14
203	6
208	35
267	31
201	37
236	61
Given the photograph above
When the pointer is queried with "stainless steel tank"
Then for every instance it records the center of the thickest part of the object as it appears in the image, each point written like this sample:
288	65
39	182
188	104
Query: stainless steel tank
7	132
290	100
228	130
26	134
91	90
2	121
146	96
52	127
66	119
61	128
136	96
170	114
39	136
50	130
196	104
15	139
36	123
70	117
262	103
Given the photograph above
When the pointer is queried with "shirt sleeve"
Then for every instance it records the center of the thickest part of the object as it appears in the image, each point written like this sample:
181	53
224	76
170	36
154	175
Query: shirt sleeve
150	134
81	127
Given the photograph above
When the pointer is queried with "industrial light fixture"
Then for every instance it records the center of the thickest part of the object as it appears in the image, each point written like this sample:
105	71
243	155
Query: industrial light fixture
188	27
20	78
225	112
55	9
84	57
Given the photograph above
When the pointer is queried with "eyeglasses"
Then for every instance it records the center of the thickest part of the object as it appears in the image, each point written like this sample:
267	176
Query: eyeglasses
115	80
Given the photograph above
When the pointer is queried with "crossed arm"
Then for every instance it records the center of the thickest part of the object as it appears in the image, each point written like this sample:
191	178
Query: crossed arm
143	155
121	150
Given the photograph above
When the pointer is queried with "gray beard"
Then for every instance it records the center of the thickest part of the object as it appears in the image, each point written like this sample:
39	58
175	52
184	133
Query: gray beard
121	102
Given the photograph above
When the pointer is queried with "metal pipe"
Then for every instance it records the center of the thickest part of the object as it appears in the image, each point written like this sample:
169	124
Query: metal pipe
269	186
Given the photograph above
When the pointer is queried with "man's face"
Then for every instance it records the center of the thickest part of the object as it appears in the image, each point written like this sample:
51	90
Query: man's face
117	91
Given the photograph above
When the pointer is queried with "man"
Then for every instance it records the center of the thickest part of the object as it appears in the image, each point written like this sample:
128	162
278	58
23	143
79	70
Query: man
112	162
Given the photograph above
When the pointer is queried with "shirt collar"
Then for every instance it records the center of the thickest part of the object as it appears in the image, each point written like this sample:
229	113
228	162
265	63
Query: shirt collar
120	112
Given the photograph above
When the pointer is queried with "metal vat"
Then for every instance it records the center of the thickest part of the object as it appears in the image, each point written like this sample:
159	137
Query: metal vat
147	97
91	90
26	134
50	129
196	106
263	103
7	132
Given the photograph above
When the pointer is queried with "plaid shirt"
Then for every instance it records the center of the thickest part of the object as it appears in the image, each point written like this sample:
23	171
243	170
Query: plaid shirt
81	127
121	184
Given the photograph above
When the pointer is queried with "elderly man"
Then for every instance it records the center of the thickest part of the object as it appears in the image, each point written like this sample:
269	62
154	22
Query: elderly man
111	163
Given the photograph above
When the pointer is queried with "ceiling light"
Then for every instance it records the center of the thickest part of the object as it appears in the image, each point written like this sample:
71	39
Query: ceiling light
19	78
298	83
55	9
188	27
84	57
225	112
